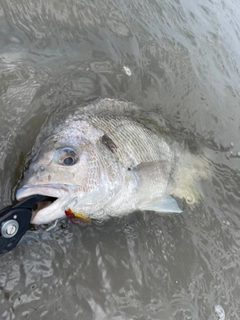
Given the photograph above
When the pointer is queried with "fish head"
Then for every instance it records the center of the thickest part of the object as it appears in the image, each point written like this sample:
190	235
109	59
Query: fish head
69	168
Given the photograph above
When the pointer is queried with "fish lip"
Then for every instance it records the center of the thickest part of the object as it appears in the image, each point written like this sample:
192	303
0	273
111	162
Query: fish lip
55	191
51	212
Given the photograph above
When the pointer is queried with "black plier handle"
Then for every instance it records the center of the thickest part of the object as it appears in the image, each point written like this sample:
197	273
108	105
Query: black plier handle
15	220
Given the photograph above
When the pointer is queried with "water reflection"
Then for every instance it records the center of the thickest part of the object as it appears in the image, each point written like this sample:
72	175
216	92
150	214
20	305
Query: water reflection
184	61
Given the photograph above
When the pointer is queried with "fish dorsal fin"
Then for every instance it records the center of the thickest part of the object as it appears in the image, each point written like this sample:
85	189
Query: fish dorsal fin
164	205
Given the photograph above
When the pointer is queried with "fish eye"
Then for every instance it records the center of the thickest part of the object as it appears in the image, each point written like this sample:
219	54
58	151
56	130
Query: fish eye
68	161
66	156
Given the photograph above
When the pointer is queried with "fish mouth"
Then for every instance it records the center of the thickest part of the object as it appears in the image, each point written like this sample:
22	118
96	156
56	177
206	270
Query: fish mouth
45	212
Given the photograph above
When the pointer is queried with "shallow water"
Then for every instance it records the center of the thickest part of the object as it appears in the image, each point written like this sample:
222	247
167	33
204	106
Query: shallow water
179	61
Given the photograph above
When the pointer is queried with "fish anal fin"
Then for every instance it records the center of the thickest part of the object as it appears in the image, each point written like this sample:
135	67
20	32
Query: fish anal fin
164	205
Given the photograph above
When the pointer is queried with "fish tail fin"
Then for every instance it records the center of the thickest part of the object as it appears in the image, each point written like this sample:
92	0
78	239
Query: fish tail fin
191	170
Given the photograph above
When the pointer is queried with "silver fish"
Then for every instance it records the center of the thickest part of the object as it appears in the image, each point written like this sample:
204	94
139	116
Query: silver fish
101	166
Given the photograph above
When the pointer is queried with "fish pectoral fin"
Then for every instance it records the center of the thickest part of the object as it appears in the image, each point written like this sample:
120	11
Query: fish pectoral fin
168	204
154	171
150	168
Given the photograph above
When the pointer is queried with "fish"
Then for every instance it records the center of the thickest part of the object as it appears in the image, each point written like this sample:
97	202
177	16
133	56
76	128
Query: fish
103	165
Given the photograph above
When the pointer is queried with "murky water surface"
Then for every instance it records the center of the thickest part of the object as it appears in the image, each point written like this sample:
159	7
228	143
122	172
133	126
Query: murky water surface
179	61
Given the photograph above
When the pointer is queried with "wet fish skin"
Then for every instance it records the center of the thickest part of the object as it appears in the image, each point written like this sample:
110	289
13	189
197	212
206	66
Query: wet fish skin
101	166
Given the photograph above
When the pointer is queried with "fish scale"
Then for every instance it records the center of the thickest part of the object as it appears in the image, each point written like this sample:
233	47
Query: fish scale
136	144
104	165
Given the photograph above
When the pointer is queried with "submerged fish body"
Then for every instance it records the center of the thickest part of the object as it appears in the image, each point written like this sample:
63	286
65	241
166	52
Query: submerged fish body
98	166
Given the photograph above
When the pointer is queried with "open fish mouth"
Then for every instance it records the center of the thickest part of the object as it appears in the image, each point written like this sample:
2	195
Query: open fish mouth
46	211
38	206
